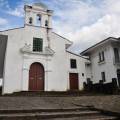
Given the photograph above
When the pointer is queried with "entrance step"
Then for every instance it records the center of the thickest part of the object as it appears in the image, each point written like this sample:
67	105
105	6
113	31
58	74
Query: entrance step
5	111
87	118
45	115
82	113
58	116
51	94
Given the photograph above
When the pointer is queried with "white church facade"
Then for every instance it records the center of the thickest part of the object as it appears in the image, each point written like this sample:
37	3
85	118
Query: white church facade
34	58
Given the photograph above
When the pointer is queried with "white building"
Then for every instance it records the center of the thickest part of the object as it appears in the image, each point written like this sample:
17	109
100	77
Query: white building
105	61
34	58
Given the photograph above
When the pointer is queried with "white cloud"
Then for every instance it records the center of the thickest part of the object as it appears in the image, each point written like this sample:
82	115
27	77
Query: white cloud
112	6
77	14
4	4
3	21
86	24
18	11
105	27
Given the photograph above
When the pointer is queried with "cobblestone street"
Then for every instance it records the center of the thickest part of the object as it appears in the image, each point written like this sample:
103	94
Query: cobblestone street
60	108
108	102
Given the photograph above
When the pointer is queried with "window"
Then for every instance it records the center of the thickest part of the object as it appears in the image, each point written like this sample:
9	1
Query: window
73	63
37	44
101	56
83	74
116	53
103	76
30	20
46	23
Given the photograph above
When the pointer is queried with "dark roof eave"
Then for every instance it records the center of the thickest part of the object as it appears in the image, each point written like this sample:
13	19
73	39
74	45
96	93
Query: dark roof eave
76	54
11	29
87	51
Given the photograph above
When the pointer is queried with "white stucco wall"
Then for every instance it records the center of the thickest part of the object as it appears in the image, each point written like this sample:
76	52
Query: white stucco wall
88	71
13	61
58	81
80	69
107	66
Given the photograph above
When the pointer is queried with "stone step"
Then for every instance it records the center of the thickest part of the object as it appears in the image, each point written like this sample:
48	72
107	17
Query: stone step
62	118
4	111
50	94
46	115
88	118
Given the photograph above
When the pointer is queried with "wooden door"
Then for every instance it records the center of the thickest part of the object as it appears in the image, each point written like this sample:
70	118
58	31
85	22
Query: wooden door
36	77
73	79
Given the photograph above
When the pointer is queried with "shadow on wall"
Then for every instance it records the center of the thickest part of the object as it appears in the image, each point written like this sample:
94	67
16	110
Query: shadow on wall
3	43
101	87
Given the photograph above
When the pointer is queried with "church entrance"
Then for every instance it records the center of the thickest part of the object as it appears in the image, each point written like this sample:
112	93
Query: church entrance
36	77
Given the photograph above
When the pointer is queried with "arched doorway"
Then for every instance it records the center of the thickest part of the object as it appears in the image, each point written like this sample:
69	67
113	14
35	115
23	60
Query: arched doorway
36	77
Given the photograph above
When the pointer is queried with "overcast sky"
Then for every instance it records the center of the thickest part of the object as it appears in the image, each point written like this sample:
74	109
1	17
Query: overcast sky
84	22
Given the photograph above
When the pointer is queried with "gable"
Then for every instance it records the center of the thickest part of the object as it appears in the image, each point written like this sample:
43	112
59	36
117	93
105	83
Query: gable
68	43
12	29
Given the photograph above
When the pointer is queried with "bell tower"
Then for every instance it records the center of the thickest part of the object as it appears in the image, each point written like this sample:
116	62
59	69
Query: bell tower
38	15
